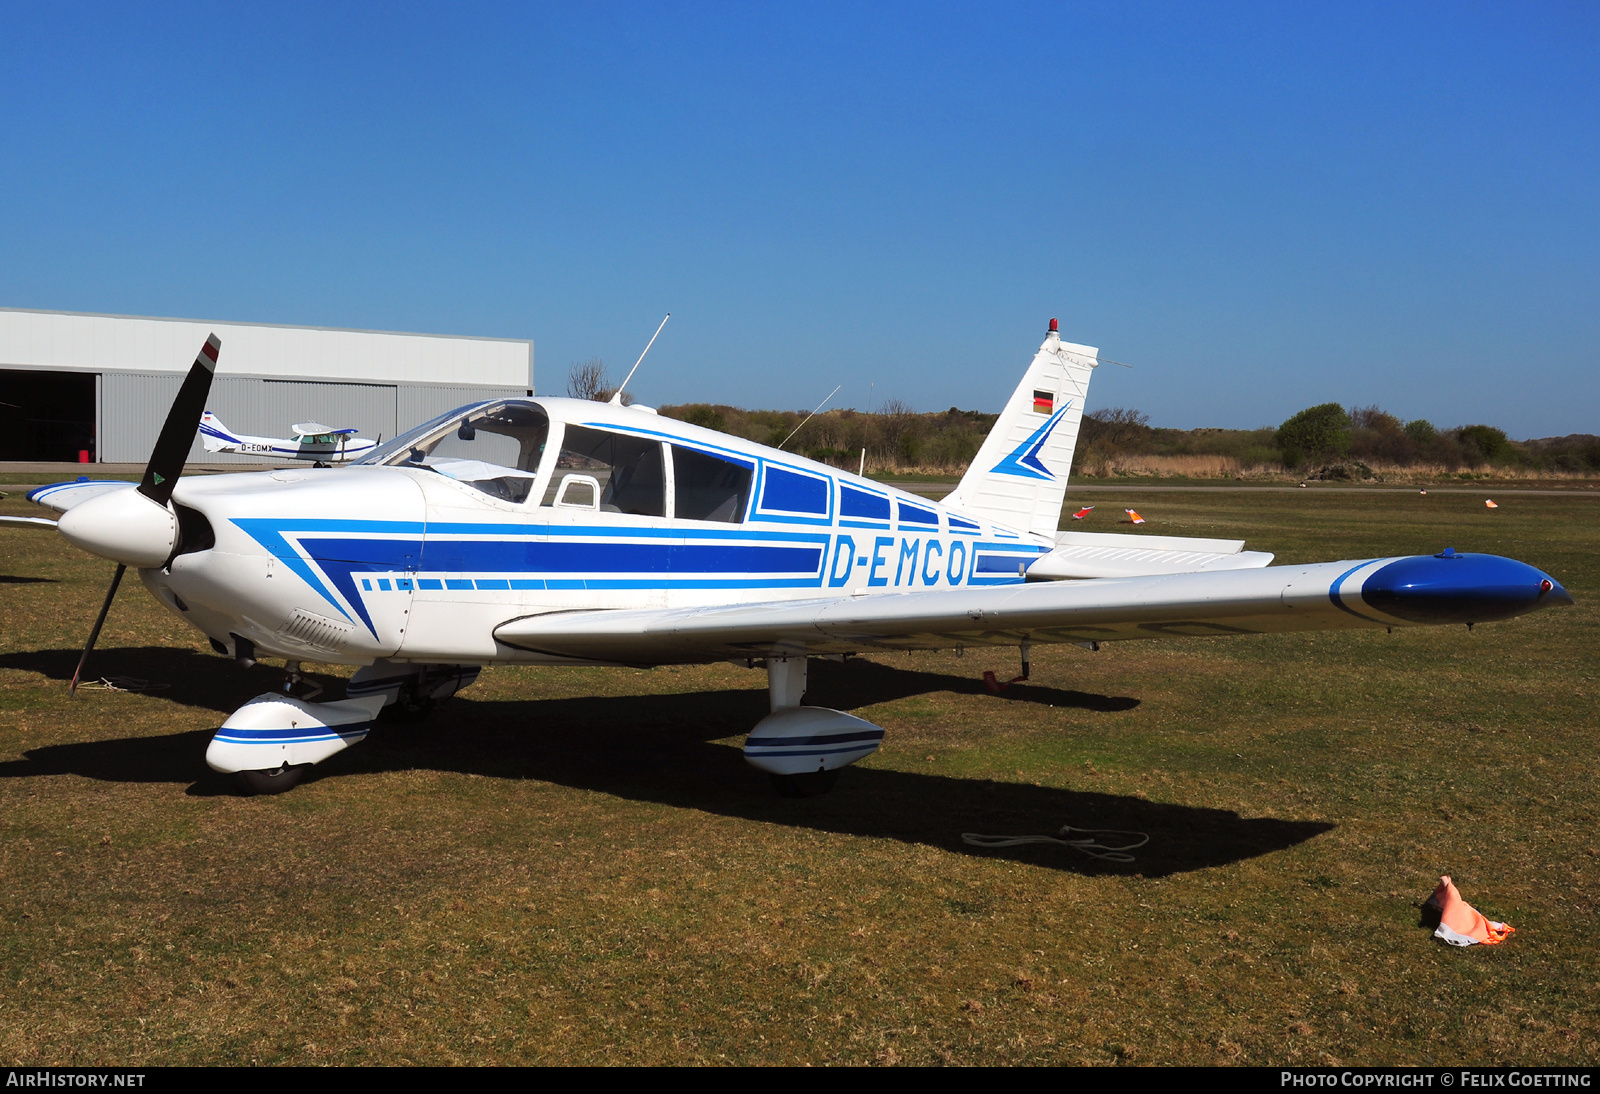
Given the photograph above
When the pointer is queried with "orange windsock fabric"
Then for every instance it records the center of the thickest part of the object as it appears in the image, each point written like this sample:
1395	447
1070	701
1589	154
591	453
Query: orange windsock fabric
1134	517
1460	924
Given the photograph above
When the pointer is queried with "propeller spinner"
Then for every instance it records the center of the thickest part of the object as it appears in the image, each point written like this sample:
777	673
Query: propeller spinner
138	527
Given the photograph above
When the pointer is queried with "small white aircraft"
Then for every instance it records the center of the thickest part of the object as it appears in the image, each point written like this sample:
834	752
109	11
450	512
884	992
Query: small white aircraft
562	531
312	441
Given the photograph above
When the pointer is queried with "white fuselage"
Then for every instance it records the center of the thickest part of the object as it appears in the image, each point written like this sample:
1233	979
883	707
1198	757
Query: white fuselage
406	563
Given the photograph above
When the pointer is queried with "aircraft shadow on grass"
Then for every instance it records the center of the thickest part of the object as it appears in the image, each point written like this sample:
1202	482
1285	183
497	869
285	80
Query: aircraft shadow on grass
662	748
13	579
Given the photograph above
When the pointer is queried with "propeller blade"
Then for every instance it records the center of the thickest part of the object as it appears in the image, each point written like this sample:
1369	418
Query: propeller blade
99	622
177	435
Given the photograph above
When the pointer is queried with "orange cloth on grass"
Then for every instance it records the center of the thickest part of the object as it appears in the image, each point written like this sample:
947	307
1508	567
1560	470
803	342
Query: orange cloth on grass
1463	919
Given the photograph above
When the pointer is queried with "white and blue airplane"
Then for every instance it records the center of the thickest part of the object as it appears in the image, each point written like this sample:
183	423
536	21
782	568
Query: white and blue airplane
561	531
312	441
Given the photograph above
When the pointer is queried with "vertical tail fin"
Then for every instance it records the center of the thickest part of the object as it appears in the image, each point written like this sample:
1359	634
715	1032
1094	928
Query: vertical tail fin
216	436
1019	476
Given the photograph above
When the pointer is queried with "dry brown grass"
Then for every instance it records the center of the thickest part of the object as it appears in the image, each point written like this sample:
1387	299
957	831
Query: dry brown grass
1098	465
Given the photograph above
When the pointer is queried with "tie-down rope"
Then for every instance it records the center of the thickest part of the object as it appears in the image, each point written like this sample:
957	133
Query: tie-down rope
1086	842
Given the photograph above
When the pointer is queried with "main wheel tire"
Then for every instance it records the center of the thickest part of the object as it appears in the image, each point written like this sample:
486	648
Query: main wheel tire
275	781
809	784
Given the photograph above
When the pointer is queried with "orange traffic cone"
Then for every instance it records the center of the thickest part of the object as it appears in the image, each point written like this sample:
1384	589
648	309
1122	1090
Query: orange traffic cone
1489	503
1133	517
1460	924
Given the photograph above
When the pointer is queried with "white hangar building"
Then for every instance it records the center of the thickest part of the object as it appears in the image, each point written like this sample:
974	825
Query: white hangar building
72	383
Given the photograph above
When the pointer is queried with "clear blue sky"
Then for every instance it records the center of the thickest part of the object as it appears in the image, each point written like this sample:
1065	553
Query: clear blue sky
1261	206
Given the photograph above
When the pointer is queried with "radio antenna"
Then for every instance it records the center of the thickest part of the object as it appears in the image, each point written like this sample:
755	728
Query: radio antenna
616	397
813	414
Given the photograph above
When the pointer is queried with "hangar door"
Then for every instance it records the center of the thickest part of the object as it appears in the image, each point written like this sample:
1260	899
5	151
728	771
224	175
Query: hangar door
268	408
46	415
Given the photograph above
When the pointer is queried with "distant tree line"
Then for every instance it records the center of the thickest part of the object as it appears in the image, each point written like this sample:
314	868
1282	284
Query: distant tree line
895	438
1328	436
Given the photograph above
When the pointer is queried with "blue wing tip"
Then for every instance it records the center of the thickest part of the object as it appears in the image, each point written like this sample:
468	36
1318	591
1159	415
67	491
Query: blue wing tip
1452	587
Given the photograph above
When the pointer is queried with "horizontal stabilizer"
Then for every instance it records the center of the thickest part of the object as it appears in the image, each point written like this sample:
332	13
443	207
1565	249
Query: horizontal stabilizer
1149	543
1101	554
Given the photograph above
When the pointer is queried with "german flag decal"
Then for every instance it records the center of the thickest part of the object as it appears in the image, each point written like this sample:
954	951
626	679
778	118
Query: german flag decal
1043	402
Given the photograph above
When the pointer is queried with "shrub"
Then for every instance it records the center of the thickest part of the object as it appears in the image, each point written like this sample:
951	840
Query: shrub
1317	433
1421	430
1488	444
702	415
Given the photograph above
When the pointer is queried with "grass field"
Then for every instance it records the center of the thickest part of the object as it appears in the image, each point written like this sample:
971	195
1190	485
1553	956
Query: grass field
576	865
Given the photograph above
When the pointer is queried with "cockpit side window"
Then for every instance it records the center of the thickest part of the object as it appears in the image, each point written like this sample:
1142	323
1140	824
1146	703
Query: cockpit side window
628	472
707	487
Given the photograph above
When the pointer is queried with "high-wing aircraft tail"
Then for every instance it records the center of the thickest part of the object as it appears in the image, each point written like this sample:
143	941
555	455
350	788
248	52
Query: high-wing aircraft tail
1019	476
216	436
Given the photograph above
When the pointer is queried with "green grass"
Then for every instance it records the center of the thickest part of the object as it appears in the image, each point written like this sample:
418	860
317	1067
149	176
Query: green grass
575	865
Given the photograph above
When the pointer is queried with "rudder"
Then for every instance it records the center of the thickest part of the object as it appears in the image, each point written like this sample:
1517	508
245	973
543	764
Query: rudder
1019	476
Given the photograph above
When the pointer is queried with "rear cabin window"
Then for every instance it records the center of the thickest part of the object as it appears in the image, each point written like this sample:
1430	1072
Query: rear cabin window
789	492
707	487
911	514
608	473
862	505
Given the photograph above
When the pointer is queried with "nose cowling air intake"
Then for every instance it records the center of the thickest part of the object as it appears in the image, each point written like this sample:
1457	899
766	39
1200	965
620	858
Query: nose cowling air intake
1460	588
124	526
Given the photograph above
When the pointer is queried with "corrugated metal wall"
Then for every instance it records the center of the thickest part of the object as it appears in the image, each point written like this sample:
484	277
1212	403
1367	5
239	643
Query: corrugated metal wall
134	405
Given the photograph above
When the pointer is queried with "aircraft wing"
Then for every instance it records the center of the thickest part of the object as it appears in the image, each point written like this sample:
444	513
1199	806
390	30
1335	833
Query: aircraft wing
1385	592
1103	554
312	429
62	496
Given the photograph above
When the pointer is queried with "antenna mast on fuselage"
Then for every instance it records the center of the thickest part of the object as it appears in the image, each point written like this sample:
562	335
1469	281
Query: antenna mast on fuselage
616	397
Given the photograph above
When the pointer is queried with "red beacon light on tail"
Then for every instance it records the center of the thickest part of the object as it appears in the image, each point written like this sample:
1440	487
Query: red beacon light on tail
1055	328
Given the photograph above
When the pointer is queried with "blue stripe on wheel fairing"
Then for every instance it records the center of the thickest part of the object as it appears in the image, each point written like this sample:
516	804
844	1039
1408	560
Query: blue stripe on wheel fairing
818	752
815	739
291	736
1338	602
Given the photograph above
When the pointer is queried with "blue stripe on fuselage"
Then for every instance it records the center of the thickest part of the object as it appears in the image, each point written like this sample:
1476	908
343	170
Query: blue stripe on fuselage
578	557
542	555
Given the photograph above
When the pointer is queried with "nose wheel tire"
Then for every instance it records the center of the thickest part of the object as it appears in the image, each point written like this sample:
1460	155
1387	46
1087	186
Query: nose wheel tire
806	785
274	781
